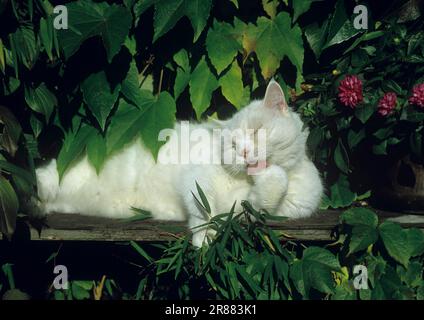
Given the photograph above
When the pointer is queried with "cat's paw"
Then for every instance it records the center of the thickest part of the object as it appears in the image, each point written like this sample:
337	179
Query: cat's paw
269	188
274	175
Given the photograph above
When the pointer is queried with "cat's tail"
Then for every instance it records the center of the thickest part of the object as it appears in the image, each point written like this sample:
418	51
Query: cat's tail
47	188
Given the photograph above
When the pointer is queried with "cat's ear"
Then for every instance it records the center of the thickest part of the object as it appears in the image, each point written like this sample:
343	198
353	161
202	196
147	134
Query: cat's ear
274	97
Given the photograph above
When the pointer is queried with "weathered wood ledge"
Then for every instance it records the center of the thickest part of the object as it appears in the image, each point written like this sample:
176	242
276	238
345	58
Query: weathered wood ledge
73	227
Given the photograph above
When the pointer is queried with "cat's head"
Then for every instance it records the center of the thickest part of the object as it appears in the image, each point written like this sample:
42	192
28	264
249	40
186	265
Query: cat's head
268	121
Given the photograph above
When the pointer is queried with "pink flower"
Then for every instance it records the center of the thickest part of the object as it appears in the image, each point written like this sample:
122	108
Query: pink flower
417	97
387	103
350	91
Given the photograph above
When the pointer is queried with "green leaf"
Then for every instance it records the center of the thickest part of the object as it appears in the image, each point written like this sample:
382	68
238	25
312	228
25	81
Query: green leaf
99	96
25	45
222	46
202	84
153	115
36	125
365	37
142	5
364	112
346	32
96	150
41	100
72	148
416	241
300	7
299	278
364	231
414	116
16	171
340	157
412	276
383	133
130	87
46	35
395	240
202	195
253	286
232	86
354	138
89	19
316	36
169	12
141	251
314	271
79	291
337	20
278	31
270	7
157	116
9	206
11	131
183	72
380	149
341	195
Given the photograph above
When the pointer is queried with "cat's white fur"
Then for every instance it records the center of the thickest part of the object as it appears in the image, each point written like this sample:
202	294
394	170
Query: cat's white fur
289	186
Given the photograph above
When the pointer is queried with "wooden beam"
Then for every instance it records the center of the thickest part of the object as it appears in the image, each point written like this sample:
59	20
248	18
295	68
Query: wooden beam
74	227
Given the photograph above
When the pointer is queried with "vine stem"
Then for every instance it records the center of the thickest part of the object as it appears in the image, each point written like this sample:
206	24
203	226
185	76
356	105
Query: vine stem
160	82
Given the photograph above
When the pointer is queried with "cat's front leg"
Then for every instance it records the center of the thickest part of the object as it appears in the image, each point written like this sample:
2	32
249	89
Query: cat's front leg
269	188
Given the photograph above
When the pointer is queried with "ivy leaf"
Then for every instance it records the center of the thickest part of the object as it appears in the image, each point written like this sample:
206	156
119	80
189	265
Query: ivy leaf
41	100
9	205
341	195
364	228
73	147
202	84
416	241
270	7
340	157
96	150
232	86
278	31
222	46
99	96
314	271
395	240
246	35
169	12
158	115
183	72
153	115
300	7
88	19
130	86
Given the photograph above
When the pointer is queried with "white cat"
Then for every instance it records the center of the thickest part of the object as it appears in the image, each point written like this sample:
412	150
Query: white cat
289	185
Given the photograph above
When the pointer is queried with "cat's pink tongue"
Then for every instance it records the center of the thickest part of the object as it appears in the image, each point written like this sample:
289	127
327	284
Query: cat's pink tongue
256	168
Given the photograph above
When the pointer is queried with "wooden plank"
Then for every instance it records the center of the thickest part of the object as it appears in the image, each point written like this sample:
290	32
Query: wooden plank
74	227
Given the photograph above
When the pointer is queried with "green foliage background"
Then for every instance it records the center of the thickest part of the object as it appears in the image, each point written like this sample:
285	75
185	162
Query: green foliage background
128	68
